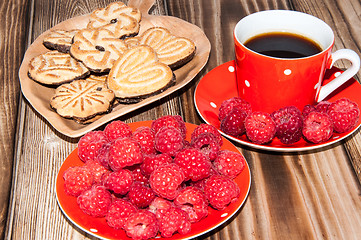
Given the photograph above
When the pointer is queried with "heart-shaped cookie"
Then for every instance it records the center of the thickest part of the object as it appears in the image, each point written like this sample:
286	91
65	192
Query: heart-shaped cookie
55	68
138	74
171	50
118	18
97	48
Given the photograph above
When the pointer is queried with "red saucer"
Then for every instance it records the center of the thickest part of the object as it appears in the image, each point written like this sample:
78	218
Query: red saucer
98	226
220	84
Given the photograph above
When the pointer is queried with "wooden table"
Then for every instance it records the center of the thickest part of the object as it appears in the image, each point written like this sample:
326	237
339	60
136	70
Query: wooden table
312	195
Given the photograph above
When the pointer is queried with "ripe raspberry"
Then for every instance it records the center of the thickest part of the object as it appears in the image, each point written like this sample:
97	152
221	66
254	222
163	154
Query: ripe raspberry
199	184
233	123
124	152
229	163
322	106
153	161
95	201
77	180
145	137
141	225
319	107
96	169
207	128
307	109
260	127
159	205
220	191
117	129
207	143
103	155
138	176
173	220
186	144
89	145
344	114
169	140
118	213
289	123
235	102
317	127
166	180
193	201
119	182
170	121
140	195
194	163
182	124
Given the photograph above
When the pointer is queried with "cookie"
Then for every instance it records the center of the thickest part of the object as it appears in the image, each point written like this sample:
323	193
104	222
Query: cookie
171	50
55	68
90	120
138	74
59	40
97	78
82	100
117	18
97	49
132	41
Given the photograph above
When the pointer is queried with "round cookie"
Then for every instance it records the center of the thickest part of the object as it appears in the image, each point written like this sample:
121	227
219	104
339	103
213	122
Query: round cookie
55	68
82	100
97	49
117	18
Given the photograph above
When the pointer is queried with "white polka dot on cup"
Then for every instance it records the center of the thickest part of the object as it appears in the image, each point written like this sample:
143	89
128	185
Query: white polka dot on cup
247	83
287	72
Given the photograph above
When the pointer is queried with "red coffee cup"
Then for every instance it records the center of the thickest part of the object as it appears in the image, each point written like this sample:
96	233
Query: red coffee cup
269	82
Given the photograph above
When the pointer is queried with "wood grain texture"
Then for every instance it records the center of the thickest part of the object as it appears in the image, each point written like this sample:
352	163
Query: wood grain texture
312	195
34	181
12	47
284	199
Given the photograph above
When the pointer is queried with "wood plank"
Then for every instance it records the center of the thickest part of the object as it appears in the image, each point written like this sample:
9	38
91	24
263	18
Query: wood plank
284	201
300	198
342	18
42	150
312	195
13	32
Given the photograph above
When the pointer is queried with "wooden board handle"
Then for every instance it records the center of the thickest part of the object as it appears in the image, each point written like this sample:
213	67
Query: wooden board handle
143	5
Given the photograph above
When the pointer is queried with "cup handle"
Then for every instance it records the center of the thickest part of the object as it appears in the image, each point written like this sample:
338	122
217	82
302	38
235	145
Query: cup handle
345	76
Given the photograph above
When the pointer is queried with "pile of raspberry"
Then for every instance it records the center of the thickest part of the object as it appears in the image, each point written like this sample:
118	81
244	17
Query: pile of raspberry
153	180
315	124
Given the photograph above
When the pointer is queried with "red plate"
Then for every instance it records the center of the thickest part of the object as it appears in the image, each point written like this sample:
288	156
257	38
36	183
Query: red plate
220	84
98	226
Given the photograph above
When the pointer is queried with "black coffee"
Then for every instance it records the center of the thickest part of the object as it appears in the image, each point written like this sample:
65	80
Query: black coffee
283	45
